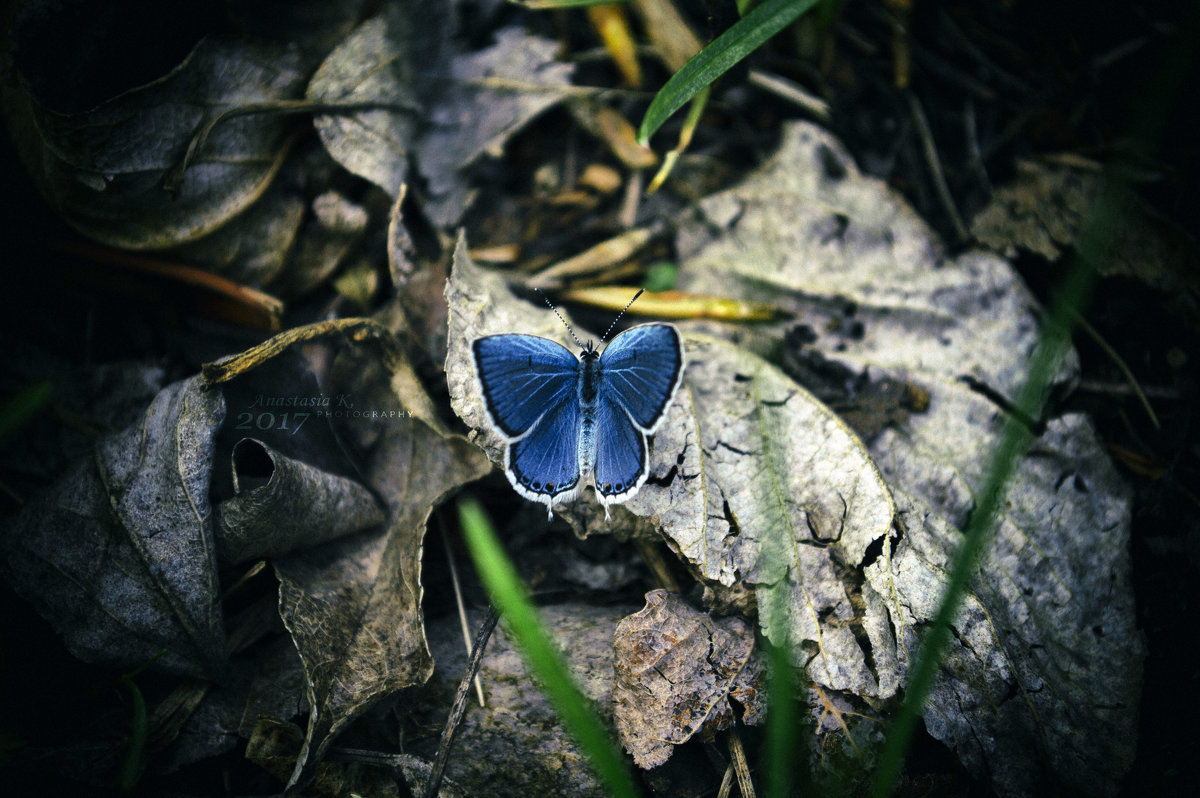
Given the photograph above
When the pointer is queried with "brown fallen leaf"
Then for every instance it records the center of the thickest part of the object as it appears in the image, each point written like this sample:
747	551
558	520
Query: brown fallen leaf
353	607
676	670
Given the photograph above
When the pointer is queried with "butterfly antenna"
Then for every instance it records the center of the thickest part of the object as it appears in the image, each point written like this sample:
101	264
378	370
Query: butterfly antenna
564	321
622	313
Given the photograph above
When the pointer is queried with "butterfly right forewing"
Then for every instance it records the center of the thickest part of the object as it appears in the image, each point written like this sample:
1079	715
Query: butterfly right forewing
642	369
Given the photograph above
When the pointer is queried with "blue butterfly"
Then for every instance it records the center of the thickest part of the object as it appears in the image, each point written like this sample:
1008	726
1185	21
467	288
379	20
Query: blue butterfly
566	419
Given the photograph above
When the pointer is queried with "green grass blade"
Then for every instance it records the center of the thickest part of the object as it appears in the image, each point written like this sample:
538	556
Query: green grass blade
134	761
1147	120
19	408
520	618
743	37
785	757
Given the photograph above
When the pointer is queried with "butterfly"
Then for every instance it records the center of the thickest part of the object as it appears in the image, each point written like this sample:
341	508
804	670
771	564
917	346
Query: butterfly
568	420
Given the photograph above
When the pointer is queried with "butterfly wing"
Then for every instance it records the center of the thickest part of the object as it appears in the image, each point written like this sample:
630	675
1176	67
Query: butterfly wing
640	371
543	466
622	455
529	389
521	377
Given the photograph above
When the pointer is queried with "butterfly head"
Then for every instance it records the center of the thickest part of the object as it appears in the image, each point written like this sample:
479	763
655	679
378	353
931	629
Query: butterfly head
589	352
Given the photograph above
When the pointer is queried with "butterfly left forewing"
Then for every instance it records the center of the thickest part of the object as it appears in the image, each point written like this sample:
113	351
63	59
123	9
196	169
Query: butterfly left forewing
520	377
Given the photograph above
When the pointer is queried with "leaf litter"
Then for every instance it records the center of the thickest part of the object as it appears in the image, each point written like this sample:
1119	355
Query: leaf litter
746	452
144	577
1050	615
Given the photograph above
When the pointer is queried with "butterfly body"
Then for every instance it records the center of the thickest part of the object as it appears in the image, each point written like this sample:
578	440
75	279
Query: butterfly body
569	420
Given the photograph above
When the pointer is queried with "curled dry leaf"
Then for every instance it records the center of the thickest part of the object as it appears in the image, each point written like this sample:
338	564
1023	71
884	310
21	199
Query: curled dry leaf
1049	624
119	555
675	671
352	605
283	504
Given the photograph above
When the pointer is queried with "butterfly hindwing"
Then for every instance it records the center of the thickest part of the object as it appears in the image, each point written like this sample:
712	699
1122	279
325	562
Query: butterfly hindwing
622	456
521	377
543	466
641	370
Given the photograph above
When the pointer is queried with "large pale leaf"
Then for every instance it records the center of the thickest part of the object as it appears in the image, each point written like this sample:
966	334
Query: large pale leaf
119	554
772	491
1049	625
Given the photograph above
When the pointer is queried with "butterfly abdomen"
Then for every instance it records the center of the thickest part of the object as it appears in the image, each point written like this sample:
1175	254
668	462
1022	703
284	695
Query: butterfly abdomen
588	391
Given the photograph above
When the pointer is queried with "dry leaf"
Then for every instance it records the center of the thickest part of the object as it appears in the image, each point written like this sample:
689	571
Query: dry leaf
1042	211
770	489
1049	624
103	169
119	555
676	670
488	96
371	66
255	246
353	607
